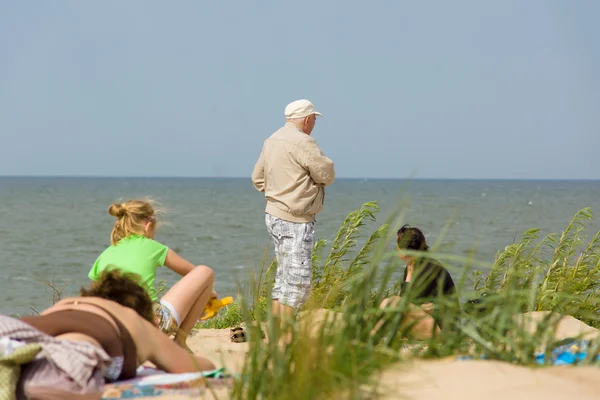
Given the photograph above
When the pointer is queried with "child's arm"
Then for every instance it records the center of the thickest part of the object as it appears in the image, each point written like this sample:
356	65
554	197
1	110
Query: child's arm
178	264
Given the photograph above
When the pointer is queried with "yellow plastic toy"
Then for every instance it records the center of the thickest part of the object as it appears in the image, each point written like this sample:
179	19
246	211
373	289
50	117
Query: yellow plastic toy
213	306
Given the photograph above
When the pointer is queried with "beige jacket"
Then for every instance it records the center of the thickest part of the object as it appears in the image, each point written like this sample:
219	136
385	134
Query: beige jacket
293	172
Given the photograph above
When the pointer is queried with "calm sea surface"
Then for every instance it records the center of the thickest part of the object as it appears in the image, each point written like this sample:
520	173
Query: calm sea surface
54	228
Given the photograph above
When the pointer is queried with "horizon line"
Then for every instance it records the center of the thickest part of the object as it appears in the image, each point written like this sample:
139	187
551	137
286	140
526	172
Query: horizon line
248	178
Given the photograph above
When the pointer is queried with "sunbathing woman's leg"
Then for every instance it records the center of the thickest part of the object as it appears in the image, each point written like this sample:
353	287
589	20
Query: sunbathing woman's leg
189	296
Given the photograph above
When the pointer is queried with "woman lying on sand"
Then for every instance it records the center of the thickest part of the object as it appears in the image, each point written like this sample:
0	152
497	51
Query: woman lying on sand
88	340
133	249
425	283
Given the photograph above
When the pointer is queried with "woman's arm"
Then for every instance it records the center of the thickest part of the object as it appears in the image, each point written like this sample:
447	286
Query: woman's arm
178	264
170	357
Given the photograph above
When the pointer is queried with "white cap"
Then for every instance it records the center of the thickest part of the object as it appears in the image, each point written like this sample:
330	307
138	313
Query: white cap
300	109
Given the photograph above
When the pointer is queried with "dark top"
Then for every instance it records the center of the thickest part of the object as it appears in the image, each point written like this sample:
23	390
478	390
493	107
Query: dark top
430	280
117	344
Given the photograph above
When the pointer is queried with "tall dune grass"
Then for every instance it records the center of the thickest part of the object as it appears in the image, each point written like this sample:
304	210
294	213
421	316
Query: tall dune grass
338	355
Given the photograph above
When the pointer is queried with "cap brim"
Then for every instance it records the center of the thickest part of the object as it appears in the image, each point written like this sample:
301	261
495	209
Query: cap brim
292	116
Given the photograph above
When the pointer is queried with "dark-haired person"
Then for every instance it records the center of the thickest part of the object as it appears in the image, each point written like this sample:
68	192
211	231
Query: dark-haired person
103	335
426	277
426	284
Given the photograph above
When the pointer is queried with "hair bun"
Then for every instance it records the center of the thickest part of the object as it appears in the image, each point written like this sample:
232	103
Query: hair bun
117	210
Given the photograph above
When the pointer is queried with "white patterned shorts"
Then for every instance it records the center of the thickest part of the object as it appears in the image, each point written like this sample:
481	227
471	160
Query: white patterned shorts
166	317
294	244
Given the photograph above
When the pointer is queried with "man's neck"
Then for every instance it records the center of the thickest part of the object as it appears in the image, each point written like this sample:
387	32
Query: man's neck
295	125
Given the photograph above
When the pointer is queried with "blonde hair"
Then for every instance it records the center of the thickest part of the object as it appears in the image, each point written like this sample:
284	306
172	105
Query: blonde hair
132	217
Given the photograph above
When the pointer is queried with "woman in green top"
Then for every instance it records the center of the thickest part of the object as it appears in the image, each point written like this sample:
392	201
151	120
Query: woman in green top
134	250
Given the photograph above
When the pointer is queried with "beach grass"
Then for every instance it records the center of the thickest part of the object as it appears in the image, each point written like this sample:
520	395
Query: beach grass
338	354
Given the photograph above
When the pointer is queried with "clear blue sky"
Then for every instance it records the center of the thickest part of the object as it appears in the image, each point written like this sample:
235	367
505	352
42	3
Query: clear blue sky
434	89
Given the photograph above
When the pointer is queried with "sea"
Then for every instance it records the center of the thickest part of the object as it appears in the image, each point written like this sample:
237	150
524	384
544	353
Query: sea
53	229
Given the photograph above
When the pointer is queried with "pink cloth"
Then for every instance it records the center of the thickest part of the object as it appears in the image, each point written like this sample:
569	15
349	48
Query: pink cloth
75	367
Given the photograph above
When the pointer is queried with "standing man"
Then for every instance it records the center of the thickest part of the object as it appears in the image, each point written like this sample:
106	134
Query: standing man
293	172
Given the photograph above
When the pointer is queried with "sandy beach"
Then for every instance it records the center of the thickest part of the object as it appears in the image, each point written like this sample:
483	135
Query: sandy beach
448	378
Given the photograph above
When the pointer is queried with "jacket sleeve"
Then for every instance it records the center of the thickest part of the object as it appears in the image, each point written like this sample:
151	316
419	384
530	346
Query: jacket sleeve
258	174
320	167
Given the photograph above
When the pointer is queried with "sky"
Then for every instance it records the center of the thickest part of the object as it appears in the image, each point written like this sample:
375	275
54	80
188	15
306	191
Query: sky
505	89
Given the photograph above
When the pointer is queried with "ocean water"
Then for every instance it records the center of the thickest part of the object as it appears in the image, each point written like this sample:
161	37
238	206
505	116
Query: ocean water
53	229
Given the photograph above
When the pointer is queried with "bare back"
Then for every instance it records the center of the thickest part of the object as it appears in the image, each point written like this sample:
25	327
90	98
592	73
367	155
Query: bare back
137	327
151	344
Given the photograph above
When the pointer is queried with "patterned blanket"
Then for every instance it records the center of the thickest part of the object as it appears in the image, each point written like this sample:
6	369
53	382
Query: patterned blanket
151	382
570	351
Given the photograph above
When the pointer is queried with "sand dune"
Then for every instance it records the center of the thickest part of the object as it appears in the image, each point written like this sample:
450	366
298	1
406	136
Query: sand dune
490	380
446	379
